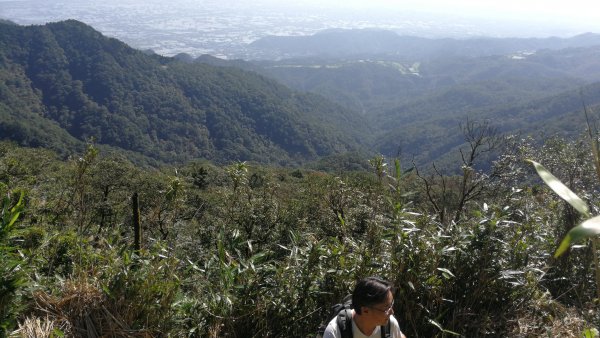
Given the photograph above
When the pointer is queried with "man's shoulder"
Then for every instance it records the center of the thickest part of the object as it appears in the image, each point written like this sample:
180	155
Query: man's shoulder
395	328
333	330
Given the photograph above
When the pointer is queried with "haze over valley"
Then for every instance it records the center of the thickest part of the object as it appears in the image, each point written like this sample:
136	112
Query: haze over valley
224	28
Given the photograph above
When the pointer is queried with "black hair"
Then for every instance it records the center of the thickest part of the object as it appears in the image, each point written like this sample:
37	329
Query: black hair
370	291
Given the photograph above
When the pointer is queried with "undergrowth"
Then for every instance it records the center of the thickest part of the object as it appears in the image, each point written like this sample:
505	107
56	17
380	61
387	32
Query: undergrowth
247	251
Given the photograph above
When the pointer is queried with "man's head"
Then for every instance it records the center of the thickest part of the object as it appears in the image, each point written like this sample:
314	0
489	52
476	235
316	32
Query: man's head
373	293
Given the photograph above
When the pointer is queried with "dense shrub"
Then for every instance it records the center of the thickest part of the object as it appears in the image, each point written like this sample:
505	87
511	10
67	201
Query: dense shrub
250	251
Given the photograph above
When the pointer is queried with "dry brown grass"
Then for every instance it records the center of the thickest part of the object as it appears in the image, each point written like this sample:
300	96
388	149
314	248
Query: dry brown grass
36	328
548	318
82	310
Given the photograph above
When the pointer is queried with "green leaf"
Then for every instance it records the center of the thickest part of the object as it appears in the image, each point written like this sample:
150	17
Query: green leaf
588	228
398	169
57	333
13	219
562	190
447	273
342	222
591	333
436	324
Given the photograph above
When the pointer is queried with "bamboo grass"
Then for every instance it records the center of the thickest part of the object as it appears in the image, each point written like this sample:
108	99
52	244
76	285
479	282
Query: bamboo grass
590	228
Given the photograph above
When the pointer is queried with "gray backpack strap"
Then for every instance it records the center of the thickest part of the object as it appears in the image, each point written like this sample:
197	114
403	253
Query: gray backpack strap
344	322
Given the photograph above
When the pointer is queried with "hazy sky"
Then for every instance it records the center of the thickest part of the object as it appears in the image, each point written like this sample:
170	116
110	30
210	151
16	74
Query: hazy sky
579	12
206	26
584	14
563	9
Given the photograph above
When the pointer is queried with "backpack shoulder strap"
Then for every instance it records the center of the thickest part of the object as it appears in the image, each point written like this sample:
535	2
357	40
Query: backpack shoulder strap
344	321
386	330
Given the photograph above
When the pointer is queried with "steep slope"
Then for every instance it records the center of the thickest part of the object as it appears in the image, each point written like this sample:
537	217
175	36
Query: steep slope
93	86
21	113
416	109
436	136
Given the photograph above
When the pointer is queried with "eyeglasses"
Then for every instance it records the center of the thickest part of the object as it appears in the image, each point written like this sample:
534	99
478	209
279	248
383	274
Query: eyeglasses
388	310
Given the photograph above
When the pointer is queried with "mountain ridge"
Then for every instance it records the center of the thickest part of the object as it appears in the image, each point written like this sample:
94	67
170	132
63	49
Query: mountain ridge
96	87
62	84
370	42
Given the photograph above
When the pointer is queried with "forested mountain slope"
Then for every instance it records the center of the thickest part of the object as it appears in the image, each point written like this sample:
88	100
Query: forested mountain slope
63	83
373	85
429	129
416	107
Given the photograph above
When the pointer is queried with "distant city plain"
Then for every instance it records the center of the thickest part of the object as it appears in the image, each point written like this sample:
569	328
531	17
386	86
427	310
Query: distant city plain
224	28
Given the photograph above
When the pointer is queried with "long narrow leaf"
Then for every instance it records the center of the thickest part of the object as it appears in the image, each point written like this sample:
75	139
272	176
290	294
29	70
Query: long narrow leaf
589	228
19	206
439	326
562	190
12	220
398	168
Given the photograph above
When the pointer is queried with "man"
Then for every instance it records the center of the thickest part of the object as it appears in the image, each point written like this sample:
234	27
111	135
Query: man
372	308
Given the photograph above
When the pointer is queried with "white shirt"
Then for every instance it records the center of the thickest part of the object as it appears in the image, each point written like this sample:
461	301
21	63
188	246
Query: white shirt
333	331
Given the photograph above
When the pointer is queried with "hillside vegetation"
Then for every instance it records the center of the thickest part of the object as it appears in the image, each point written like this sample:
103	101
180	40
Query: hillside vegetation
64	83
261	252
413	104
